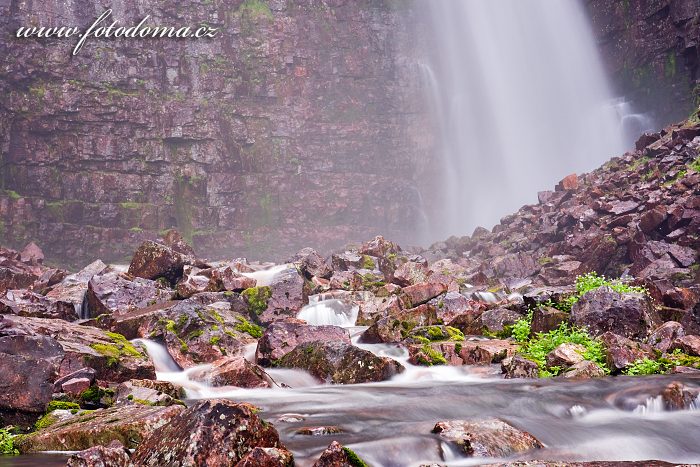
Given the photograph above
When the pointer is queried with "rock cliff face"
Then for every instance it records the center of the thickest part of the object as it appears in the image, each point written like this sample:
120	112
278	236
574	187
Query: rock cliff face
298	124
652	51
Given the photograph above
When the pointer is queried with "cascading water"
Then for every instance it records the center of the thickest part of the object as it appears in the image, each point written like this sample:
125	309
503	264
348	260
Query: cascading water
520	100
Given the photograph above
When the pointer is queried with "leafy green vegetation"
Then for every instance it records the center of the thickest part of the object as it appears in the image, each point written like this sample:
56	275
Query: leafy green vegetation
591	281
7	445
646	366
695	165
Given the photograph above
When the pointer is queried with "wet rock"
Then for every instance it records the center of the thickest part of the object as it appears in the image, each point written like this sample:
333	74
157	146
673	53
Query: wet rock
545	319
379	247
288	296
118	293
148	392
74	387
497	319
72	289
15	273
154	260
311	264
29	365
282	337
114	455
28	303
232	371
191	282
395	327
336	455
652	218
410	273
486	438
267	457
565	355
678	396
32	254
629	315
662	337
110	354
418	294
226	279
519	367
453	304
318	430
128	424
689	345
83	373
340	363
583	370
215	432
174	240
621	352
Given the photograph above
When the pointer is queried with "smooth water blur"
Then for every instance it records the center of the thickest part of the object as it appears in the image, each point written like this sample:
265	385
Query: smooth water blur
520	100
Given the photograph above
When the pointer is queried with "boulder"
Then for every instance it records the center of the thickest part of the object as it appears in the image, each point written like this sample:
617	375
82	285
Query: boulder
453	304
114	455
338	362
584	369
28	303
678	396
519	367
226	279
545	319
282	337
288	296
336	455
628	315
232	371
118	293
410	273
191	282
155	260
29	365
565	355
417	294
689	345
72	289
111	356
662	337
128	424
311	264
211	433
267	457
395	327
100	456
468	352
486	438
621	352
497	319
148	392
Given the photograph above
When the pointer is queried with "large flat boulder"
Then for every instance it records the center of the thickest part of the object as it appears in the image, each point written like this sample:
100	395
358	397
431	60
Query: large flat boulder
486	438
282	337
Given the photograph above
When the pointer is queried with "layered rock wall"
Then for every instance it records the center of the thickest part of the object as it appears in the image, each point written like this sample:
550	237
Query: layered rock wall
298	124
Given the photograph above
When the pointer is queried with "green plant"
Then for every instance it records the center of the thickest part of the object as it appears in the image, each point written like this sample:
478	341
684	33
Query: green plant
7	445
647	366
521	329
353	459
246	326
695	165
591	281
61	405
257	298
537	348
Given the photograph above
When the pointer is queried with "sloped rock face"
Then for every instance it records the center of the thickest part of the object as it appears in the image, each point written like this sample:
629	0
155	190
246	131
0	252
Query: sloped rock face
210	433
229	139
650	47
486	438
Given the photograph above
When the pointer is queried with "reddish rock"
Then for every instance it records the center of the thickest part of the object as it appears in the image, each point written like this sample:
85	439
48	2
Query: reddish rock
602	310
232	371
583	370
311	264
689	345
678	396
545	319
663	336
565	355
72	288
650	220
148	392
211	433
379	247
410	273
114	455
118	293
75	386
519	367
154	260
28	303
570	182
621	352
340	363
267	457
127	424
32	254
486	438
497	319
417	294
191	282
83	373
336	455
222	279
174	240
282	337
453	304
289	296
468	352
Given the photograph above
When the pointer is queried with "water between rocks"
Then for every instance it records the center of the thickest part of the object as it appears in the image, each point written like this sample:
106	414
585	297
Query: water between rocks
389	423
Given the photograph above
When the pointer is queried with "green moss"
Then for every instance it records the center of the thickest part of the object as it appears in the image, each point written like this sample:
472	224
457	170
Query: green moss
695	165
246	326
7	443
195	334
214	340
136	230
125	347
353	459
458	347
435	333
45	422
13	195
95	394
130	205
257	298
61	405
454	333
431	356
367	262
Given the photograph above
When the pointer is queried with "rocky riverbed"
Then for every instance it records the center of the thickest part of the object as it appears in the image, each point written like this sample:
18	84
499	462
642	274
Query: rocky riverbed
408	356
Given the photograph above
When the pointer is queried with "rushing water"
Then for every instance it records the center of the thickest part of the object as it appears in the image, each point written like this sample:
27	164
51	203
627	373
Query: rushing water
389	423
520	100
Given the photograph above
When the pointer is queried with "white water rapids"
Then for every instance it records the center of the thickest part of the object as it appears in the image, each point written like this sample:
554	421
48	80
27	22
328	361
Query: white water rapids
389	423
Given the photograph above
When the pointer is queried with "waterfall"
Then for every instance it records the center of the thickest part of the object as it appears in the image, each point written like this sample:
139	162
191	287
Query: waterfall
321	311
519	99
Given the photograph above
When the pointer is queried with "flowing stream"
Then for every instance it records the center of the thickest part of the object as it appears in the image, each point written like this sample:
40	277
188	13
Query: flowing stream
520	100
